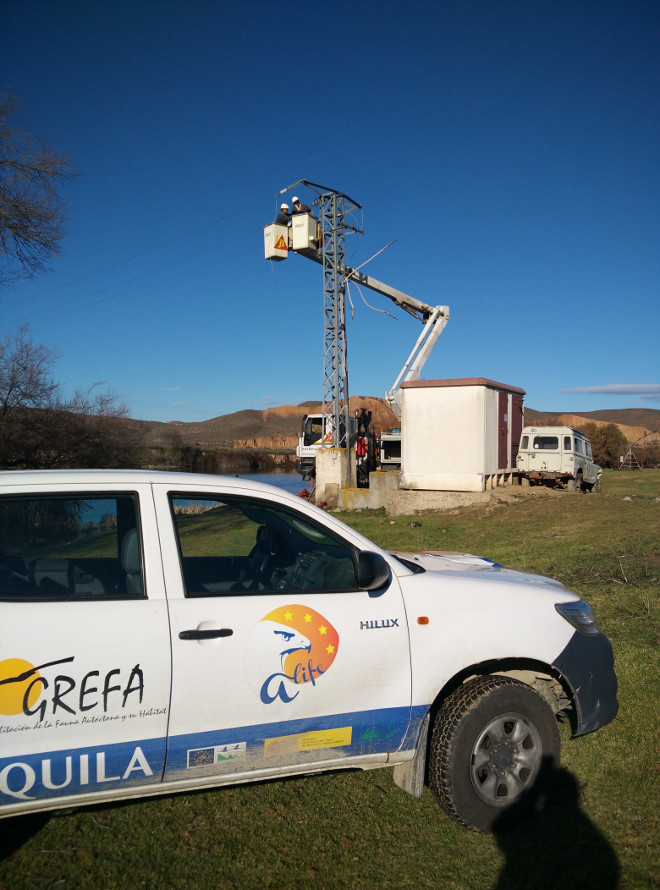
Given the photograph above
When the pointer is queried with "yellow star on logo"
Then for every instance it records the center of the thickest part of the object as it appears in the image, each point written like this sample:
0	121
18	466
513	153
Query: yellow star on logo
308	618
323	630
288	615
330	649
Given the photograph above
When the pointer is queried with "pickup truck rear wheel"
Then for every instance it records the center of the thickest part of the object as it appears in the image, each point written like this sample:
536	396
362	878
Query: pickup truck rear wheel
494	751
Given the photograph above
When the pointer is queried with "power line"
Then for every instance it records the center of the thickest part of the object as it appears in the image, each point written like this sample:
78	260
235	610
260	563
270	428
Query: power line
233	215
50	312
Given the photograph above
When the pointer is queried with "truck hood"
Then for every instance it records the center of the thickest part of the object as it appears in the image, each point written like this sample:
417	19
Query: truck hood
447	562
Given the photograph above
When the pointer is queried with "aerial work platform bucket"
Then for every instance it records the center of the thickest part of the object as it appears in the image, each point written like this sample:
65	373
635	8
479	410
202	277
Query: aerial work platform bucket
276	241
304	231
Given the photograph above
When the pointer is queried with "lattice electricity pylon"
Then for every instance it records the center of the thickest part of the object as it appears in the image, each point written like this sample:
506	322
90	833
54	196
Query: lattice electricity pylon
334	208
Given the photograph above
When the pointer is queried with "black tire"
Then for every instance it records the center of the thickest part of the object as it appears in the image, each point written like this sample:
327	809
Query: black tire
575	484
494	752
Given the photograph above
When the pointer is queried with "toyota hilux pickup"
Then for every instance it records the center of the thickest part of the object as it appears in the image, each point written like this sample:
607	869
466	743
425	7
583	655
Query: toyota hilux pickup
164	632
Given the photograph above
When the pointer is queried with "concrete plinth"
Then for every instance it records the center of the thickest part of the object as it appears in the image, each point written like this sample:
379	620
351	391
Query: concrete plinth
332	468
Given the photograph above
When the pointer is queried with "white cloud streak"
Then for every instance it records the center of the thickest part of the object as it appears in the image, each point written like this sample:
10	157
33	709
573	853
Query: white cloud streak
620	389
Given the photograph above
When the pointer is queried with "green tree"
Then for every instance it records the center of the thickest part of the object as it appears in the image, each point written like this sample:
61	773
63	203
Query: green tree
608	443
31	211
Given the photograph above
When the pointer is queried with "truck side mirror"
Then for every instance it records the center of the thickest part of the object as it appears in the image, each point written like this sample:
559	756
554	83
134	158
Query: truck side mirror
373	571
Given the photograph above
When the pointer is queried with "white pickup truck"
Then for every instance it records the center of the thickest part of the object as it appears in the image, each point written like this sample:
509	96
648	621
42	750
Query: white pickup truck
165	632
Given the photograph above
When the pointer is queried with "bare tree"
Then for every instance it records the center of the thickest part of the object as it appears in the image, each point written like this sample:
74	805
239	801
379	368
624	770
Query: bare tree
31	212
39	428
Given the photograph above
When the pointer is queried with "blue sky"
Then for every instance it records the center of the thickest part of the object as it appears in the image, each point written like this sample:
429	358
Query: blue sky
510	149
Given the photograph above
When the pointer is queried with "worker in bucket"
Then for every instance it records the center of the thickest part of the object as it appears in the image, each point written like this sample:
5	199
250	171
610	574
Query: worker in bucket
284	217
298	207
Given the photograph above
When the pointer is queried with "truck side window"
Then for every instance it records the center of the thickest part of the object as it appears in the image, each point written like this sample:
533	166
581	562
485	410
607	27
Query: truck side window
578	445
70	547
567	443
524	443
238	546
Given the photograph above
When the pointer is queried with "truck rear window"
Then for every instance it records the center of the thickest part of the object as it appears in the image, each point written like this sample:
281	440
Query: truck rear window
546	443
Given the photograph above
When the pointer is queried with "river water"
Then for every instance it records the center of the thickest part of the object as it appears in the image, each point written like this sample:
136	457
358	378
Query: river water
288	481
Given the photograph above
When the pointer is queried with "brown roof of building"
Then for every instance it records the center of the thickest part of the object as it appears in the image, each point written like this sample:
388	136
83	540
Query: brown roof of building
462	381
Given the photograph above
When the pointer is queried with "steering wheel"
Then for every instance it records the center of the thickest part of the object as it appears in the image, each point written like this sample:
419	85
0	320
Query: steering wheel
260	558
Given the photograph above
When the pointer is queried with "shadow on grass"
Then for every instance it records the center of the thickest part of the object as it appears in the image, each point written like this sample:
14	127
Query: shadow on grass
559	847
17	830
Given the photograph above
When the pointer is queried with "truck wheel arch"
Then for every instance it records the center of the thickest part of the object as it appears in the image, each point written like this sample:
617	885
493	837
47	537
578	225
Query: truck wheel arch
494	752
413	774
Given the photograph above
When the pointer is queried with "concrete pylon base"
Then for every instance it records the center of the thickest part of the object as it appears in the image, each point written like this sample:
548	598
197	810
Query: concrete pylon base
332	466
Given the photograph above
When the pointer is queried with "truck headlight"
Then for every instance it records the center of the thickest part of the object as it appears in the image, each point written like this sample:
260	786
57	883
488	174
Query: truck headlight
580	615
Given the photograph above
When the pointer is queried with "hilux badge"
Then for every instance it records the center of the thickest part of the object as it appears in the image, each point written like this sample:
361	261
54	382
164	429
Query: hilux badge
379	622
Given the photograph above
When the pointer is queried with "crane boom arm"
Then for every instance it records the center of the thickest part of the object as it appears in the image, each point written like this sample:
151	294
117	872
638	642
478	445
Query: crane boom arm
416	308
434	319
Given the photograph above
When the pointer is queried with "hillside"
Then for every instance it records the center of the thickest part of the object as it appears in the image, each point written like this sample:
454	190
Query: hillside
634	423
646	418
278	428
274	428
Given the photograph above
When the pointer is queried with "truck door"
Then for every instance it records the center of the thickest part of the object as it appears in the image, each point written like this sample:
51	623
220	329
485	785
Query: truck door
84	646
278	659
523	457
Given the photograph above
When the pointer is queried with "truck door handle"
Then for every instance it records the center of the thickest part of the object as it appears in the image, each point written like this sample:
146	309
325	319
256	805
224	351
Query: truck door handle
205	634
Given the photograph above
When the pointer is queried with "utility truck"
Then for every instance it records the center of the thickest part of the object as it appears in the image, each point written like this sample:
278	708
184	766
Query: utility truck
316	432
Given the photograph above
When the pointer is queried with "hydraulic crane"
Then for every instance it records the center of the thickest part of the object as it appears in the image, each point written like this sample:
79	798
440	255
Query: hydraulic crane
323	242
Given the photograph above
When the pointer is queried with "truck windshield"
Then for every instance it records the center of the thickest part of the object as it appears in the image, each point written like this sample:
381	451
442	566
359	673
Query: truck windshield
313	430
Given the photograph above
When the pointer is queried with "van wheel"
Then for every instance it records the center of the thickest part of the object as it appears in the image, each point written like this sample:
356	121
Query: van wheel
575	484
494	752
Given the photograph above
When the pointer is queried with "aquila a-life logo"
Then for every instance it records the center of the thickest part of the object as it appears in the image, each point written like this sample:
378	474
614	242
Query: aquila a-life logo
290	649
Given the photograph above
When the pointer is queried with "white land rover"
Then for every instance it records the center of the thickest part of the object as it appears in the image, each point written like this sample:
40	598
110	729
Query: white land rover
164	632
557	455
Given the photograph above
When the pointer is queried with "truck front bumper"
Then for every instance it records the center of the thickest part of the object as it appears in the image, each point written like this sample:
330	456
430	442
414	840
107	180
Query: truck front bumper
587	665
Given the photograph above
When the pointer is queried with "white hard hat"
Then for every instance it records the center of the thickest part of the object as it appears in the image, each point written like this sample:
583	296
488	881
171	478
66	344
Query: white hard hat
296	199
284	206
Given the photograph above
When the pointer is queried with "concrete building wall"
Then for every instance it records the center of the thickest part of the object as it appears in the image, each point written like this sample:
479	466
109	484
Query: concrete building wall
457	435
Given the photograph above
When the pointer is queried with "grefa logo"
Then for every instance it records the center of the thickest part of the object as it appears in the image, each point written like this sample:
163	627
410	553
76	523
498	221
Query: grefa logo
31	690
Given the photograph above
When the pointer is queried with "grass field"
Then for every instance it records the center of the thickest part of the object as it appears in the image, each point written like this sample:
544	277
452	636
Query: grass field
600	829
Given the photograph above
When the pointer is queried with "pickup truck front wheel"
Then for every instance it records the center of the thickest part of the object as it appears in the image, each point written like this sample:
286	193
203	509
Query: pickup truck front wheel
494	751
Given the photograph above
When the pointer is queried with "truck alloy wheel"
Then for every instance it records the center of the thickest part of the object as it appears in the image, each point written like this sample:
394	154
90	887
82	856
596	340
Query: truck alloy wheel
494	750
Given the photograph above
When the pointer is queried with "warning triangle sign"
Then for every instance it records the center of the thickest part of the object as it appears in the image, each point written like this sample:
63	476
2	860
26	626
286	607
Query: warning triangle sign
281	244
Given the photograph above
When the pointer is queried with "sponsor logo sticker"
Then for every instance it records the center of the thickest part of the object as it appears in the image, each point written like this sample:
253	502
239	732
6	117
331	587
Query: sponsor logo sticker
216	754
309	741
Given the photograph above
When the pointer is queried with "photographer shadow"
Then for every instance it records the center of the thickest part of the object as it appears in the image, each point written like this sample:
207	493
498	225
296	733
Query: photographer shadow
17	830
557	848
